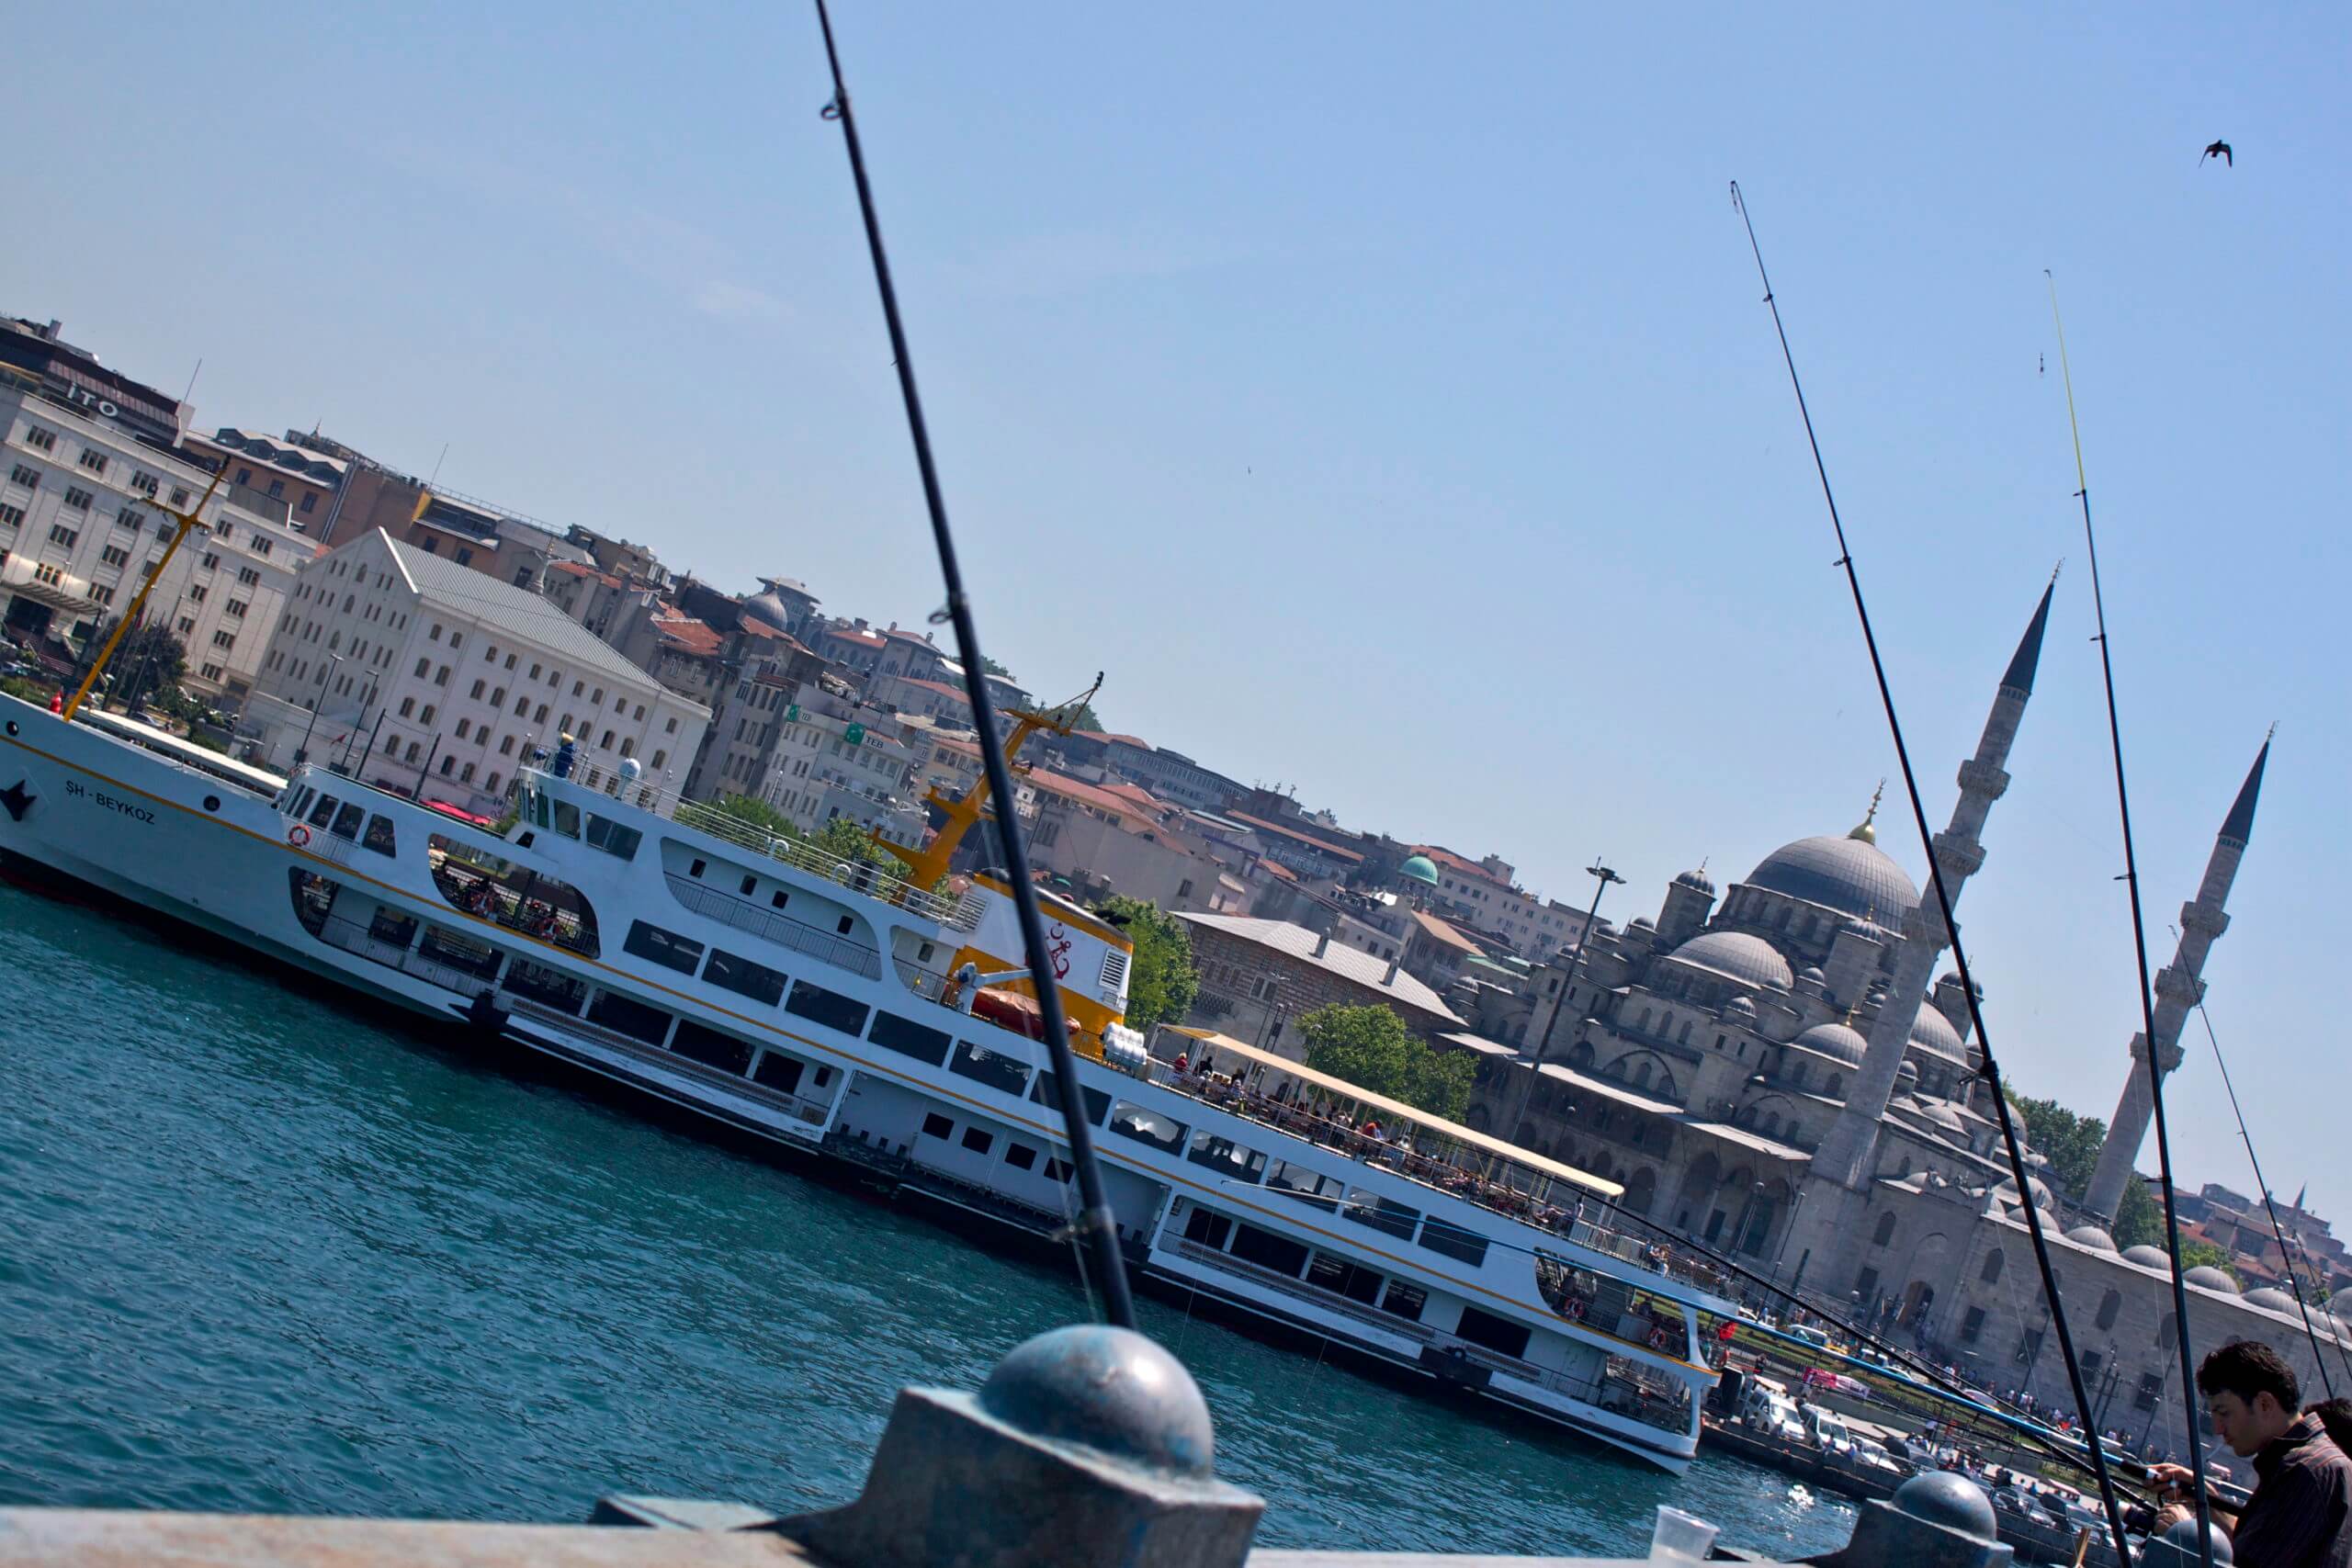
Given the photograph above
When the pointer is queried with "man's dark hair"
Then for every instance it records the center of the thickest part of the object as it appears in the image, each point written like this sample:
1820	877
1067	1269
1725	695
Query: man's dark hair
2335	1415
2247	1368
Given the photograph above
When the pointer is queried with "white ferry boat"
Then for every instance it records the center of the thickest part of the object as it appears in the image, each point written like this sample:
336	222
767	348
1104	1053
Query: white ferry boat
829	1007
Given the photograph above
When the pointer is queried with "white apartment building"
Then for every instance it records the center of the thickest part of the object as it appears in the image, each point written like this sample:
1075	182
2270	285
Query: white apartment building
436	681
1483	893
834	759
78	534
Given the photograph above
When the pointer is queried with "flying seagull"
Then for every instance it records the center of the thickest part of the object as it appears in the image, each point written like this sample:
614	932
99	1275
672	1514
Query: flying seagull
2220	149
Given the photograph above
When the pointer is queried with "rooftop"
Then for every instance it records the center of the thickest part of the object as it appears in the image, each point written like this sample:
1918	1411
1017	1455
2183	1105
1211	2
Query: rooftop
1338	958
1308	839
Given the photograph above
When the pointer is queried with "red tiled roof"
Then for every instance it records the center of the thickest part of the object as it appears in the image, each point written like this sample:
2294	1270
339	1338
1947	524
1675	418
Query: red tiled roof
688	632
1102	800
903	635
1446	933
1276	869
850	634
942	687
1308	838
1138	796
576	568
754	626
1457	864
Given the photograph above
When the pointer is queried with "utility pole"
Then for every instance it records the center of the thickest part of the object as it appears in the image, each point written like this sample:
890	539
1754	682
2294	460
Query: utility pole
1509	1130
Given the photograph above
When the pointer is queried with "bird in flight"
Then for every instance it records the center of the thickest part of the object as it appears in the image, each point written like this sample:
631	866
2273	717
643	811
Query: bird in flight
2220	149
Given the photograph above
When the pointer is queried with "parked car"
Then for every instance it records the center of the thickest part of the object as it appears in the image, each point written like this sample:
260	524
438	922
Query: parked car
1869	1454
2024	1504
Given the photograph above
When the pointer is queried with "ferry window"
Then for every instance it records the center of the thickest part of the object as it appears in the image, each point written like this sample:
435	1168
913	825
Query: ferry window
1380	1214
1047	1091
779	899
697	868
666	948
1208	1228
1452	1241
567	818
824	1077
937	1126
379	837
625	1016
301	801
846	924
1302	1182
1498	1334
1147	1126
549	987
909	1038
613	839
1357	1285
1058	1170
1226	1158
751	884
1268	1250
1006	1074
458	952
1020	1156
1405	1300
744	978
711	1048
399	930
324	812
347	820
778	1071
830	1008
978	1141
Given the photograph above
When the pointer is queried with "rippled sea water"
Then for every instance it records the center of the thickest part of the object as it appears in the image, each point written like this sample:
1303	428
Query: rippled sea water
261	1251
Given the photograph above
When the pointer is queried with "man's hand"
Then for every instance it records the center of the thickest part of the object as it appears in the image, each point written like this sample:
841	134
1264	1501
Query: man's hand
2172	1480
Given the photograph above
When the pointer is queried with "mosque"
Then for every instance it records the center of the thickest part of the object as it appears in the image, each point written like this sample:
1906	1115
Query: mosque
1770	1074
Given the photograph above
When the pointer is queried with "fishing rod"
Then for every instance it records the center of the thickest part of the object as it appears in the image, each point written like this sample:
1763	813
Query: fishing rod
1095	1227
2287	1254
1989	1070
2130	879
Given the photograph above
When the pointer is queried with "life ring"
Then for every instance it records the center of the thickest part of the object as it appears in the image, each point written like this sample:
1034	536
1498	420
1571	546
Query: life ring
1574	1310
298	835
1658	1338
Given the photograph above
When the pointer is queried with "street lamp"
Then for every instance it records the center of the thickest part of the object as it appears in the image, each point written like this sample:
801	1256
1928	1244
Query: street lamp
1607	878
302	752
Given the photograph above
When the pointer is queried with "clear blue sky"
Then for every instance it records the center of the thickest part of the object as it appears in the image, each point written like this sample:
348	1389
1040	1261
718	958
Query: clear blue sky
1382	394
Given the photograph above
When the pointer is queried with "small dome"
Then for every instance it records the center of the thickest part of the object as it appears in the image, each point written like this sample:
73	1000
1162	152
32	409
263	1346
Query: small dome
2275	1299
1697	882
1835	1041
2211	1278
1906	1076
1847	874
1107	1388
1933	1031
2147	1257
2091	1236
1642	923
1810	972
1740	1006
1419	868
1748	959
1944	1116
2008	1190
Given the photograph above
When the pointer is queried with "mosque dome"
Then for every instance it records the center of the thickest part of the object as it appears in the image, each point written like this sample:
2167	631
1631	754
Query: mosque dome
2091	1236
2211	1278
1944	1116
1850	875
1419	868
1749	960
1697	882
2147	1257
2008	1190
1835	1041
1813	972
1906	1077
1741	1006
2273	1298
1933	1031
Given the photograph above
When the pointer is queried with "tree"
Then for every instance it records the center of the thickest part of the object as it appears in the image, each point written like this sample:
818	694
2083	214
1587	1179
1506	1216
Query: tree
2205	1255
1085	718
2139	1219
990	666
1370	1047
844	838
756	813
149	659
1162	982
2069	1142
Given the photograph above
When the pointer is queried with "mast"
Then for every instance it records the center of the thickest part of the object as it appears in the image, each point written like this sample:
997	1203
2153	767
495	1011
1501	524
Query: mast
926	865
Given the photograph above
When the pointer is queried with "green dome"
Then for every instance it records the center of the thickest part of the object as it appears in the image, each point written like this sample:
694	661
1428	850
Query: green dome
1419	868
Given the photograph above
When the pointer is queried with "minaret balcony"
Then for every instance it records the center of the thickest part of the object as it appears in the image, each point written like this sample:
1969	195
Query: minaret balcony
1983	779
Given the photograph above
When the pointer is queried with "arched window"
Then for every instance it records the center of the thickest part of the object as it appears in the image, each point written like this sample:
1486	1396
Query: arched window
2168	1332
1993	1261
1829	1085
1885	1232
1641	1075
2109	1306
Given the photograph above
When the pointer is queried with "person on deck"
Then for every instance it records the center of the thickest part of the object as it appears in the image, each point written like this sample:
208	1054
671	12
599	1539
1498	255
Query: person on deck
2301	1513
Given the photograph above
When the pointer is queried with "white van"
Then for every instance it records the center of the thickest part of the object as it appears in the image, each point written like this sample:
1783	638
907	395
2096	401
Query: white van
1827	1430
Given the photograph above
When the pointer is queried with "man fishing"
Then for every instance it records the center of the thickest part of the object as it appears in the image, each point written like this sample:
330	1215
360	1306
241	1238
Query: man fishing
2301	1513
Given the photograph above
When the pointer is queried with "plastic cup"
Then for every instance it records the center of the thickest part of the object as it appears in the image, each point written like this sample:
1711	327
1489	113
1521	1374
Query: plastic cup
1680	1537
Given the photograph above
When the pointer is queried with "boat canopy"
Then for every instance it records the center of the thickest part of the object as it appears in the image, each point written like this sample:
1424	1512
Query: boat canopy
1225	1044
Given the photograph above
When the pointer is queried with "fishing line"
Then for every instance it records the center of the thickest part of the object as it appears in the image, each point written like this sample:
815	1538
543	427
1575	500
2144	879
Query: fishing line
2286	1254
1990	1069
1095	1221
2130	879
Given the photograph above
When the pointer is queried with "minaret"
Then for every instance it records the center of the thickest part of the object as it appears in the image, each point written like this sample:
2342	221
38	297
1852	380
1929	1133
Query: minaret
2178	989
1847	1159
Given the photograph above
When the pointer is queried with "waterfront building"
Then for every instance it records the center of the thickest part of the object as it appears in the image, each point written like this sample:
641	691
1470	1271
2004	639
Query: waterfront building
738	750
307	483
448	681
834	758
1256	976
80	523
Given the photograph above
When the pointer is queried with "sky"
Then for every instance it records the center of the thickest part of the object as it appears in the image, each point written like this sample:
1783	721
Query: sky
1382	397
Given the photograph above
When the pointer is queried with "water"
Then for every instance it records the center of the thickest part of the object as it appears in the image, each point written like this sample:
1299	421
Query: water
259	1253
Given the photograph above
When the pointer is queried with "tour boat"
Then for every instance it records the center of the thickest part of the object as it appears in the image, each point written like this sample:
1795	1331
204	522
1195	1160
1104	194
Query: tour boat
833	1008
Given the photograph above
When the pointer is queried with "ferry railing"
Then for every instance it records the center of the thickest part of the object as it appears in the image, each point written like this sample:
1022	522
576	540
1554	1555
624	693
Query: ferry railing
361	941
772	926
564	927
858	877
928	984
1449	1176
